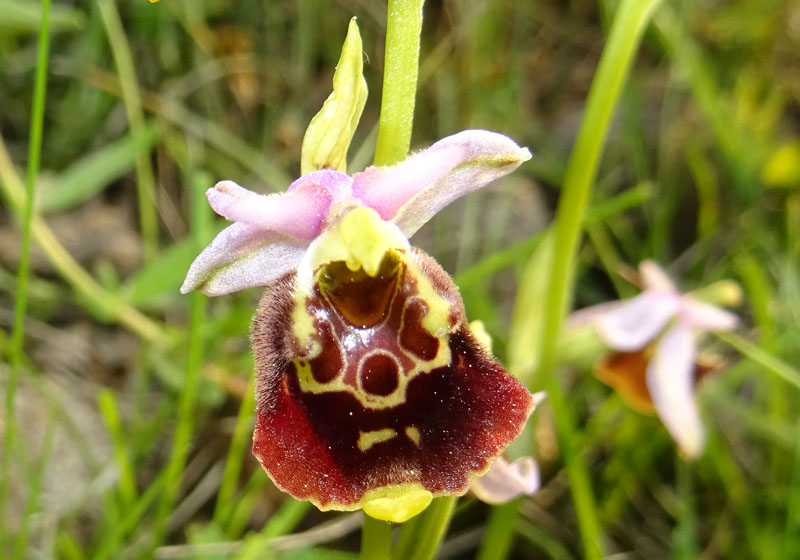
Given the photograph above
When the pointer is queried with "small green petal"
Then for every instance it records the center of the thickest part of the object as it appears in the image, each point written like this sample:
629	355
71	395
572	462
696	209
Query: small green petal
330	132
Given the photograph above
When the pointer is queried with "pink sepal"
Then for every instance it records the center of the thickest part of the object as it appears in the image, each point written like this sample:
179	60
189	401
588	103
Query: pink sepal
671	385
242	256
413	191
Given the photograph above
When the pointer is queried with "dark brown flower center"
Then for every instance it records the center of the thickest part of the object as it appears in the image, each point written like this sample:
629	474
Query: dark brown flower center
362	300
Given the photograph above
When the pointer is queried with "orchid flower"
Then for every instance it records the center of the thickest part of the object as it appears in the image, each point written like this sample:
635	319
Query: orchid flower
656	365
507	480
373	391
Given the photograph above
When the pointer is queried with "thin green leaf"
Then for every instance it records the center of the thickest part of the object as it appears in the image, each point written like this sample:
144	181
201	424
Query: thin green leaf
26	17
161	277
94	172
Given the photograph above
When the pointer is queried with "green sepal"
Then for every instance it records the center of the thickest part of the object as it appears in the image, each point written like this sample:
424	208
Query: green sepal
330	132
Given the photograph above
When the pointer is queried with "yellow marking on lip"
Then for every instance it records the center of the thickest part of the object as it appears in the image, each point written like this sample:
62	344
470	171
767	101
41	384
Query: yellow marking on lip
413	434
368	439
396	502
341	242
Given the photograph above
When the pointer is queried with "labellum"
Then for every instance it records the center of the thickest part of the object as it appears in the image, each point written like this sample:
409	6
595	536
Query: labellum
372	390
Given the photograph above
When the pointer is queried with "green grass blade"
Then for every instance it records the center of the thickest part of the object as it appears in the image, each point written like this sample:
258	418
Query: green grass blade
629	24
791	541
282	522
161	278
91	174
108	304
27	17
35	491
23	272
185	422
111	541
239	448
500	531
109	409
768	361
145	180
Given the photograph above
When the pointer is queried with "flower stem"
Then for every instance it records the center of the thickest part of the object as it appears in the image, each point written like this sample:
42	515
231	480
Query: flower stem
684	536
23	272
401	66
431	528
624	37
500	531
376	538
791	540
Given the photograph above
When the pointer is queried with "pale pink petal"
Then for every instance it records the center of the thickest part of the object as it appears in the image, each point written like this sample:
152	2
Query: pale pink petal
242	256
654	278
339	184
706	317
670	380
300	212
590	315
505	481
413	191
638	321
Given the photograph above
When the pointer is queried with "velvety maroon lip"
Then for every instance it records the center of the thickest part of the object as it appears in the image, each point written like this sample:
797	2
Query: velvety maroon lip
440	428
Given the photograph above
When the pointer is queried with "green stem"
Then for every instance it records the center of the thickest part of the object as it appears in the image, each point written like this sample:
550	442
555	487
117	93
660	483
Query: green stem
236	454
282	522
35	492
792	527
401	66
500	531
194	361
376	539
432	527
109	410
145	181
23	272
684	537
625	35
407	537
132	518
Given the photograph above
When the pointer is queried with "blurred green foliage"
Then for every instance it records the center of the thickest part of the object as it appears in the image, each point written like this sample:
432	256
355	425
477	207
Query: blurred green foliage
701	173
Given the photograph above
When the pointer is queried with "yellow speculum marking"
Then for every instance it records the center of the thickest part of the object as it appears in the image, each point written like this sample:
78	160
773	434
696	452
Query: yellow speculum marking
362	240
396	502
311	385
436	322
368	439
413	434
